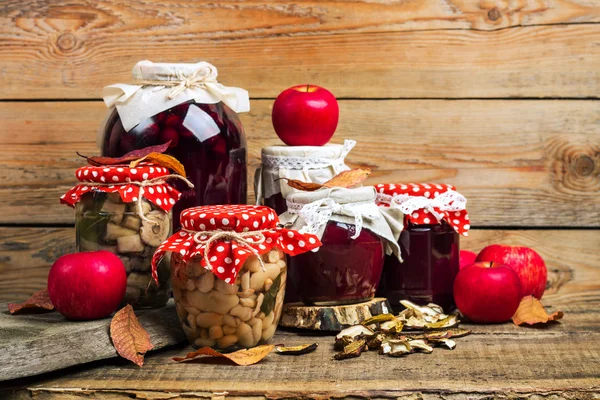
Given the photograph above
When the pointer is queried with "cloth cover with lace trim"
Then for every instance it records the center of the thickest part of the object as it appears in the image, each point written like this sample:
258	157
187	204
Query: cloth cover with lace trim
310	211
316	164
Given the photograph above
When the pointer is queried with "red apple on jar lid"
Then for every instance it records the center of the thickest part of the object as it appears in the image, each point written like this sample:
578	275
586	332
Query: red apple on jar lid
487	292
305	115
87	285
466	257
528	265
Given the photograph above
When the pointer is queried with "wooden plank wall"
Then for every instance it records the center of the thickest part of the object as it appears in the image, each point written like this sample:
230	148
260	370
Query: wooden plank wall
498	98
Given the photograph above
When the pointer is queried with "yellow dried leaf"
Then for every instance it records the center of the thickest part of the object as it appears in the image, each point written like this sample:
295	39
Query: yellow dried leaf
164	160
531	311
130	339
39	301
241	357
304	186
348	179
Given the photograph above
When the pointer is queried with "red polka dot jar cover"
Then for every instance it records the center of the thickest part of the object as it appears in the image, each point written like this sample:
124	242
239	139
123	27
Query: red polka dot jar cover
226	235
146	179
426	203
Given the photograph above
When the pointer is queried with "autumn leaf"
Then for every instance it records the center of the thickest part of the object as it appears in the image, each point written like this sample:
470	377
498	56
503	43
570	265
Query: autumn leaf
241	357
130	339
164	160
39	301
131	156
348	179
345	179
531	311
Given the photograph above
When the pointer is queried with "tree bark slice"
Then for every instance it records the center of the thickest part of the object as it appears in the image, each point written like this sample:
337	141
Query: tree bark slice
331	318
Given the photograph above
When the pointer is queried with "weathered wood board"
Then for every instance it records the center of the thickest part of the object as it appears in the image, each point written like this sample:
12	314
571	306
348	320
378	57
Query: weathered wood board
32	344
497	361
520	163
383	49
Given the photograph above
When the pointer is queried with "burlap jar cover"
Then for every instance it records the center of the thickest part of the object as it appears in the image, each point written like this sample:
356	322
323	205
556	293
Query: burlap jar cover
160	86
426	203
316	164
310	212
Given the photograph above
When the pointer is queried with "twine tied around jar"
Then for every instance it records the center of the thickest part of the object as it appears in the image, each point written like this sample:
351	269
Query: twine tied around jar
241	238
142	185
197	79
447	201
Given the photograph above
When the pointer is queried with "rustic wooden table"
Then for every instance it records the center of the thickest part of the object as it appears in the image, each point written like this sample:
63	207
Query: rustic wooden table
559	361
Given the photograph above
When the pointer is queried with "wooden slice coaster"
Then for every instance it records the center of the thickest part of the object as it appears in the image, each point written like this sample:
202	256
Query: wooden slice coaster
331	318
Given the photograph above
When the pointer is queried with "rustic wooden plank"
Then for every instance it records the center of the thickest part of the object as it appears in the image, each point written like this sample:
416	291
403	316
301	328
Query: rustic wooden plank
433	48
520	163
571	256
38	343
497	361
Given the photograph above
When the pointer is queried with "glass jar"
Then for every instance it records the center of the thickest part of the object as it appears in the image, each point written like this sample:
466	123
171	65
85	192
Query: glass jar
316	164
430	250
126	221
343	271
205	134
355	236
229	276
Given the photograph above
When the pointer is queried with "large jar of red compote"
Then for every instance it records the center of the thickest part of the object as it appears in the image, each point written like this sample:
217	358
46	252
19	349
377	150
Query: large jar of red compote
185	105
315	164
355	237
434	217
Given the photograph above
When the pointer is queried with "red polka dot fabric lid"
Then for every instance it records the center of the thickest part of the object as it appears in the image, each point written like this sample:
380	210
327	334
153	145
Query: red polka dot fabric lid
226	235
143	180
426	203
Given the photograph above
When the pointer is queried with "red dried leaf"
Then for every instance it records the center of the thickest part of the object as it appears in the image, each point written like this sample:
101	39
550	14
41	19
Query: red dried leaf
130	339
240	357
304	186
348	179
131	156
39	301
531	311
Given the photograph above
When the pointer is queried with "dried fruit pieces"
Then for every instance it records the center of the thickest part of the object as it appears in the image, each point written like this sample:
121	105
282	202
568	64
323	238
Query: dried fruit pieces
345	179
385	332
130	339
296	350
531	311
39	301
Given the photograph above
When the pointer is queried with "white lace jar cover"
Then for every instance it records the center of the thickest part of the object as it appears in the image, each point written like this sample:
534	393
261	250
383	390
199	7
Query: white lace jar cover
160	86
426	203
316	164
309	212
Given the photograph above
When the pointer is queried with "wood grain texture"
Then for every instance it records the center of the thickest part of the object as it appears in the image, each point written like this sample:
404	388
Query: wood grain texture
571	257
496	361
39	343
384	49
520	163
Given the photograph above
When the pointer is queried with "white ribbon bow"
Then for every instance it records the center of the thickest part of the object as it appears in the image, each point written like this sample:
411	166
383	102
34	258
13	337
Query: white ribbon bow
319	212
447	201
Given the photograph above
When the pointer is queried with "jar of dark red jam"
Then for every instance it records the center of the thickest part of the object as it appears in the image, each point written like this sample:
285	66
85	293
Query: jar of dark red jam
183	104
315	164
355	237
434	218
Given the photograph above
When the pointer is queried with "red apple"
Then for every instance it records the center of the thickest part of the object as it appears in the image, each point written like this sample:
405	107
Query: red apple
528	265
87	285
466	257
487	292
305	115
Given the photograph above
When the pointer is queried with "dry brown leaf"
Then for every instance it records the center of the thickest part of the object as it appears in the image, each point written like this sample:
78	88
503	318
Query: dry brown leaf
240	357
130	339
304	186
132	155
348	179
164	160
39	301
531	311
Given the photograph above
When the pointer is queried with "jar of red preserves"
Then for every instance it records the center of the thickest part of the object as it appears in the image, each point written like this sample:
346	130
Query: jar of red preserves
315	164
434	217
229	273
185	105
355	237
